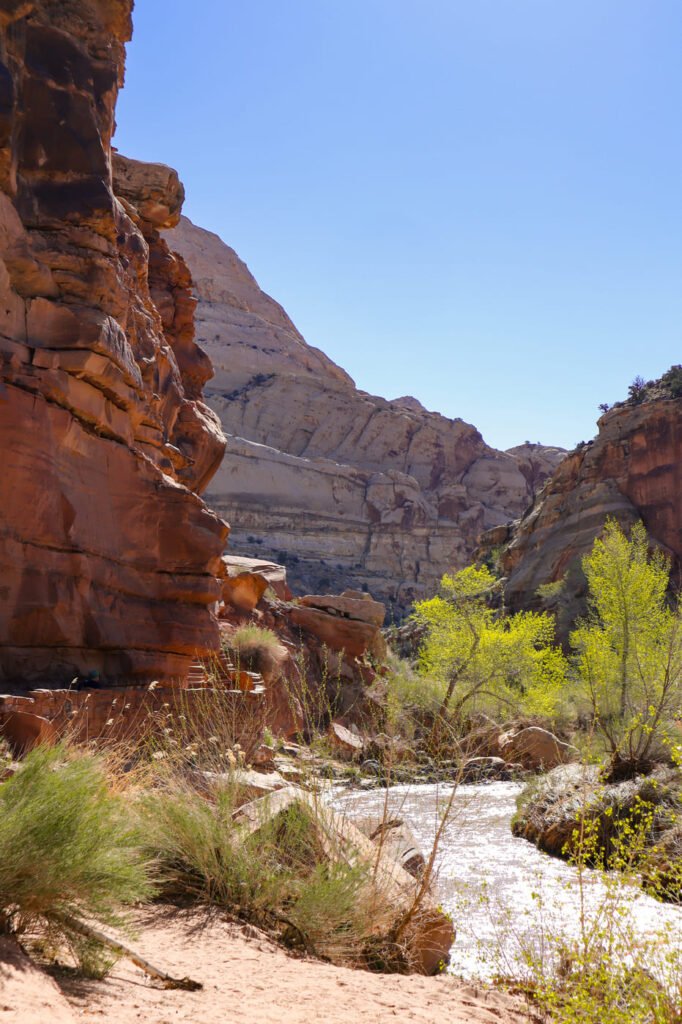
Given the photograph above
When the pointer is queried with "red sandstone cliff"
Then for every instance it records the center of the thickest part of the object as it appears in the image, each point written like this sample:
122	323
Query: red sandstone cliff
632	470
108	557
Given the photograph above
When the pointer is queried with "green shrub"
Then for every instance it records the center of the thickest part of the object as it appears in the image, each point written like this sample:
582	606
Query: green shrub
283	875
199	851
256	649
672	381
69	847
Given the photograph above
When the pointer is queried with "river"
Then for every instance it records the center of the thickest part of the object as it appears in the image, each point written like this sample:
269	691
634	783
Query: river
506	896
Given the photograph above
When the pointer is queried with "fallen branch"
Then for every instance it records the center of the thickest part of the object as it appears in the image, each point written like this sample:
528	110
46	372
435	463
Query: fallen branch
89	932
385	826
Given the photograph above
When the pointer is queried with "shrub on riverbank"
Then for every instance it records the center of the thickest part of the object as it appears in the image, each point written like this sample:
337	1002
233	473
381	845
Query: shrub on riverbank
633	825
69	848
293	867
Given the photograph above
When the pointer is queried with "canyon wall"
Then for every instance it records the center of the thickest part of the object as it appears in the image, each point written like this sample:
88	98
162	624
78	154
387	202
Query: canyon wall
108	556
351	490
632	470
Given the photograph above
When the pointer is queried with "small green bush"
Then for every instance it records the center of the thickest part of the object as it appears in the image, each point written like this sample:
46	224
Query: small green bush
672	381
281	875
200	857
69	846
256	649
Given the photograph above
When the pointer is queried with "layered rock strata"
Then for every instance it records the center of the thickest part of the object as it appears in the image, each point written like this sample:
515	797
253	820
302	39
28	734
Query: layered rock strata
353	490
108	556
632	470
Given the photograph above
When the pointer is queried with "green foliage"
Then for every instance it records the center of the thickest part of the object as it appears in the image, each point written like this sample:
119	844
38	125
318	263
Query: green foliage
550	593
68	846
256	649
281	873
200	854
637	390
672	381
488	660
629	650
601	966
409	690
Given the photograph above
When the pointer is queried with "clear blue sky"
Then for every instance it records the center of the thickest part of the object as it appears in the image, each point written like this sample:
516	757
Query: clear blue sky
477	203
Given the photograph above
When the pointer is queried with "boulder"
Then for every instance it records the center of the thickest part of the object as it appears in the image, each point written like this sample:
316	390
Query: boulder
395	838
276	575
351	604
535	748
345	744
246	783
338	632
552	810
24	731
244	591
284	712
476	769
429	934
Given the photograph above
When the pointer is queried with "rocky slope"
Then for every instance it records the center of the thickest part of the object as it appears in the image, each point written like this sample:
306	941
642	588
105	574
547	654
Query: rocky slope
352	490
108	557
632	470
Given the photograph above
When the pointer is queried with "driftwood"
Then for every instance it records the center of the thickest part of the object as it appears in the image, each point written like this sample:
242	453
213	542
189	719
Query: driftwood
87	930
395	838
423	928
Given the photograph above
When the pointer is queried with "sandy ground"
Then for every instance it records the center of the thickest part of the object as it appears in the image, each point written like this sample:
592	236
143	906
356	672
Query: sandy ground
247	978
27	995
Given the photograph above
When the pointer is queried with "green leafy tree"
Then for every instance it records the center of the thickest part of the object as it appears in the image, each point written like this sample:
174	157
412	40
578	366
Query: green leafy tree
486	659
629	648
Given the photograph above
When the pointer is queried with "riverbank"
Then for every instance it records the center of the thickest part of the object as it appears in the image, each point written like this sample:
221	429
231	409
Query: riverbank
248	978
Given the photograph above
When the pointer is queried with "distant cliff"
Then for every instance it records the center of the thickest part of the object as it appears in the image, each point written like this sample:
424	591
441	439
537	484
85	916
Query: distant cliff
352	490
108	557
632	470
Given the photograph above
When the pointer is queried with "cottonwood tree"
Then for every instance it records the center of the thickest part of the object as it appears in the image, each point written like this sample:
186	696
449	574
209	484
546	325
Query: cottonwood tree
488	660
629	648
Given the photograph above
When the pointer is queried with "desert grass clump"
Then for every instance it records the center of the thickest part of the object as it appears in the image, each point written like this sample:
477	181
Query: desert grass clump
256	649
284	871
70	849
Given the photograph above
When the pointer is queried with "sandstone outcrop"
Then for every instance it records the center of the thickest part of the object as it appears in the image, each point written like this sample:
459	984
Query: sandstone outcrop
274	576
342	623
351	489
535	748
632	470
642	812
108	557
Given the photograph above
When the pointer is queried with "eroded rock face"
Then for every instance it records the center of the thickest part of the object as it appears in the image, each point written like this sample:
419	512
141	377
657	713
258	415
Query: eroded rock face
108	557
355	490
632	470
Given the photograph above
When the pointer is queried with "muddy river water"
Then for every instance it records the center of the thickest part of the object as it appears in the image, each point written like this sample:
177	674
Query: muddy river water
506	896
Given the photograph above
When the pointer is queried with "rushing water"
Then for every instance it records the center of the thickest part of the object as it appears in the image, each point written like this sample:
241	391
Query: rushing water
503	893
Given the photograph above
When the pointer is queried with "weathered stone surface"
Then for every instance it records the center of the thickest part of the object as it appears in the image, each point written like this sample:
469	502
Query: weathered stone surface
533	747
350	605
345	743
108	558
24	731
350	488
276	575
632	470
245	590
552	814
337	632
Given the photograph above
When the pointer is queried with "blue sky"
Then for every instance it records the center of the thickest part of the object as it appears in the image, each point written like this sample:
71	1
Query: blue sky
476	203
